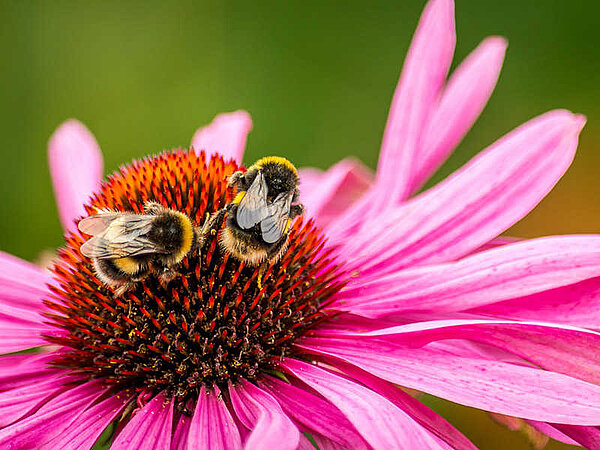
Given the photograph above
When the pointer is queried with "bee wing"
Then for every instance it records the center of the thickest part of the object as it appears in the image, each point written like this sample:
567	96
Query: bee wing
274	226
97	223
253	207
125	235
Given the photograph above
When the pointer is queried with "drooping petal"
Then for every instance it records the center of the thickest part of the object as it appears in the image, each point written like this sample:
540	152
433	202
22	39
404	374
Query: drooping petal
378	420
575	304
480	383
326	195
149	428
85	430
507	272
226	135
417	410
425	69
475	204
258	411
212	427
563	349
52	418
76	169
314	413
463	99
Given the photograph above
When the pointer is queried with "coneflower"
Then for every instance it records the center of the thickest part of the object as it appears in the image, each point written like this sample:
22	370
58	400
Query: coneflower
371	295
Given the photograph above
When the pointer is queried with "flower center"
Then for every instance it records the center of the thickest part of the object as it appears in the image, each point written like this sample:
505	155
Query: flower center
217	320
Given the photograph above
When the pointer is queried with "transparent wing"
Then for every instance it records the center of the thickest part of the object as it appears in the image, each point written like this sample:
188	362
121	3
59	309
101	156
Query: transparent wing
274	226
253	207
97	223
125	235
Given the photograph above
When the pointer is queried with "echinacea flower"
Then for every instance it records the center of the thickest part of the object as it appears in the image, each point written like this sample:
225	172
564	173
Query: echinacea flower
373	294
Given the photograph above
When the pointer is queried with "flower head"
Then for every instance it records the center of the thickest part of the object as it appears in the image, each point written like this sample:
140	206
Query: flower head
380	291
214	323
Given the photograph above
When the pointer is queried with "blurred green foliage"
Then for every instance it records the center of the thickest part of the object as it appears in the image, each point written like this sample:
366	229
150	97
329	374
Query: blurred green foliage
316	76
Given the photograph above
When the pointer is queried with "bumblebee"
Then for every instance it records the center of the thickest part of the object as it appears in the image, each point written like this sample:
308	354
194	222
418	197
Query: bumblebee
126	247
259	218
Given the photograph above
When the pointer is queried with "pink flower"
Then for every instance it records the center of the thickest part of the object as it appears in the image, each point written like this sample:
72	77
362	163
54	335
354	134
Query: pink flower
316	349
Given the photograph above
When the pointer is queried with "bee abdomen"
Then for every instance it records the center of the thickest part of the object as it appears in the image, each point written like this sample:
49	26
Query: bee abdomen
120	270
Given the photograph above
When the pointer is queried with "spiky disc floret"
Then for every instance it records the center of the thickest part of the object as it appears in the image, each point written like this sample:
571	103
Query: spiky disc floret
215	322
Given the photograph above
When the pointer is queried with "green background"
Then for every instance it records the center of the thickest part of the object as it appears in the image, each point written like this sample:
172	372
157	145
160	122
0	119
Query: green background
316	76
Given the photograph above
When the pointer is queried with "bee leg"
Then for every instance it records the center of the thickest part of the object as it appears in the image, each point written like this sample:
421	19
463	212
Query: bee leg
235	179
261	271
213	223
152	207
122	289
167	274
296	210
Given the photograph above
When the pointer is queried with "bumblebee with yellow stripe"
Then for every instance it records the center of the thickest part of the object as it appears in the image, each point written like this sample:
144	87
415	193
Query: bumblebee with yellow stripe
126	247
259	218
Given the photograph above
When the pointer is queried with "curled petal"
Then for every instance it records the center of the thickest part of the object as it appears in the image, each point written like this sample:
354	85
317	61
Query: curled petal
316	414
76	169
260	412
378	420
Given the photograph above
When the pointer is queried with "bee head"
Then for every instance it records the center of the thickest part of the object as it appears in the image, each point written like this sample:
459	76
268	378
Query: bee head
280	175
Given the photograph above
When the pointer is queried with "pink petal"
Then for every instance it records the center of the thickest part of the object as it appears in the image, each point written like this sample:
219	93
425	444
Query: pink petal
417	410
212	427
15	403
314	413
225	135
576	304
506	272
258	411
26	275
568	350
76	168
497	242
553	432
52	418
149	428
24	370
423	75
465	96
381	423
182	429
327	195
588	437
85	430
474	205
23	287
327	444
489	385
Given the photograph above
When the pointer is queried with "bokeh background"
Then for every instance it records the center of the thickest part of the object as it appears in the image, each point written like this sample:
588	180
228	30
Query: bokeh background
317	77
